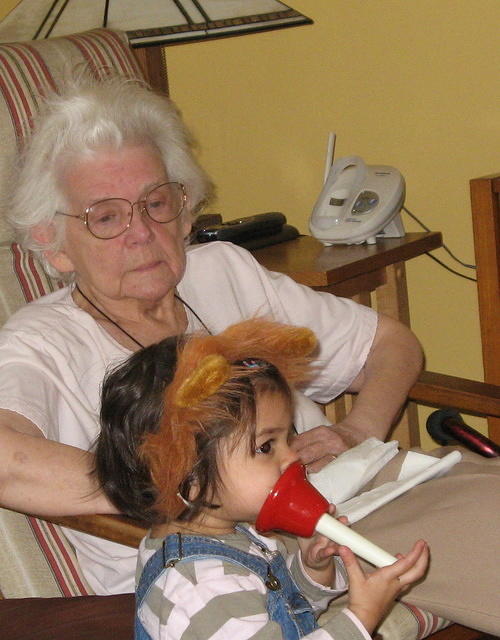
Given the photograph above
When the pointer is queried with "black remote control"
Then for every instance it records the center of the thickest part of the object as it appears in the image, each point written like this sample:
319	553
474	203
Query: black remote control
241	229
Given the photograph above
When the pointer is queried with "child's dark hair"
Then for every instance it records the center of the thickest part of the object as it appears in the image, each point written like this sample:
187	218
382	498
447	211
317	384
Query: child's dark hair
132	405
162	427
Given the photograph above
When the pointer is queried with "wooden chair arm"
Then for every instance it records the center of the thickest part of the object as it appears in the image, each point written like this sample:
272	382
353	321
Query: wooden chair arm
111	527
470	396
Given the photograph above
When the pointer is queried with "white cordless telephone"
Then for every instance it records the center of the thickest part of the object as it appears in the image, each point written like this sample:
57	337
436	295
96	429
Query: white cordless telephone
358	202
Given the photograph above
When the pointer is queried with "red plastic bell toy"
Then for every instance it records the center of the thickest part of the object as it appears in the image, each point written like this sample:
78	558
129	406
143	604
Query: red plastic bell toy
296	507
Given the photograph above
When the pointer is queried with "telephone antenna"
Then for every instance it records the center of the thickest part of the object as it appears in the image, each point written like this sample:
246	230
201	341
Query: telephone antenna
330	153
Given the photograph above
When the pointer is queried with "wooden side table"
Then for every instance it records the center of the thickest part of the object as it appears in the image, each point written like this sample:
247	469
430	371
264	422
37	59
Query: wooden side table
373	275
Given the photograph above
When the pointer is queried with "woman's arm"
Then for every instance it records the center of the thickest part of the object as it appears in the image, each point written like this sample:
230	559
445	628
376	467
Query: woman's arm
391	368
44	477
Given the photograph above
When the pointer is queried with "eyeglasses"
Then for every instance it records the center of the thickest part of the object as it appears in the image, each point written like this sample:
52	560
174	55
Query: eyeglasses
109	218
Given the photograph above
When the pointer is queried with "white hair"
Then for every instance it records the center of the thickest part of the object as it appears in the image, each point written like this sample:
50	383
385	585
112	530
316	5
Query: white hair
86	115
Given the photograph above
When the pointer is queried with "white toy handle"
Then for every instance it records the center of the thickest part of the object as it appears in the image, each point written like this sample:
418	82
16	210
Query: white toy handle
340	533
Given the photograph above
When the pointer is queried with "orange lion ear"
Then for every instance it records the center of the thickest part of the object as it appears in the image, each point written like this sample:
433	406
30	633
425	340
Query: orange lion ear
267	339
298	341
209	375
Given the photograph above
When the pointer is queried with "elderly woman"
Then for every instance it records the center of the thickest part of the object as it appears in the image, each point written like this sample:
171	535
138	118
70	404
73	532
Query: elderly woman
105	196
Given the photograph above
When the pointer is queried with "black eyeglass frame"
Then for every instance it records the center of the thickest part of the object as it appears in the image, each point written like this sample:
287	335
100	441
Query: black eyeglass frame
85	215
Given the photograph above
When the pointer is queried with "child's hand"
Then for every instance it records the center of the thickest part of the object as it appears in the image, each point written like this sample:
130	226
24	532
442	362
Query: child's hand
317	555
371	594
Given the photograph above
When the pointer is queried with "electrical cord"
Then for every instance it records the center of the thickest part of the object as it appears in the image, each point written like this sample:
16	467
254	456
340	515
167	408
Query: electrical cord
450	253
464	264
457	273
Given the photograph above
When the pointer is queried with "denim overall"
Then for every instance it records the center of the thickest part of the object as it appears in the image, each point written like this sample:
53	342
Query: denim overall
285	604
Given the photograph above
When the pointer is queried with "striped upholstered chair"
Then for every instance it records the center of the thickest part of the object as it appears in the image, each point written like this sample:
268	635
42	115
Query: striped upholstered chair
35	557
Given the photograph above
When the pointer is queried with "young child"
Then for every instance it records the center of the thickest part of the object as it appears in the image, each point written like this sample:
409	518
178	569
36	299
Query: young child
195	433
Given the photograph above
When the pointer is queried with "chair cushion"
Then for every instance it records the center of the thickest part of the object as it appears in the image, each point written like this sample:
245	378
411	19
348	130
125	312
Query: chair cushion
35	558
22	279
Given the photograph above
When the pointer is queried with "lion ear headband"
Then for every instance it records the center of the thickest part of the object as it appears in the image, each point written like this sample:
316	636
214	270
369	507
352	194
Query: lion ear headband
205	364
206	379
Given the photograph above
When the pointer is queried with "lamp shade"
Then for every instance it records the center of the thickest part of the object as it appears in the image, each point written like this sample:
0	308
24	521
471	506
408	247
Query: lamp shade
148	22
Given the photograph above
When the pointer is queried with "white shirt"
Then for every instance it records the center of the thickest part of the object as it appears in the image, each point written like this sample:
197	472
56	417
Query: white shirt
54	357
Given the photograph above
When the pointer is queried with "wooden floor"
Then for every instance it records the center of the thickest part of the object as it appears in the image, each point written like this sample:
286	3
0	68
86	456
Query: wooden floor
104	617
77	618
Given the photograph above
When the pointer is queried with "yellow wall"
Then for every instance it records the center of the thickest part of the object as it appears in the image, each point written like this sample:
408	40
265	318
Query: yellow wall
6	6
411	84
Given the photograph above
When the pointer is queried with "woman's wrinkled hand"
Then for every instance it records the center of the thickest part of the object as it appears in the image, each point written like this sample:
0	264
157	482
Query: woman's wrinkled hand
319	446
